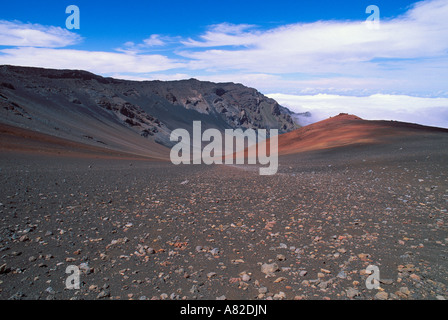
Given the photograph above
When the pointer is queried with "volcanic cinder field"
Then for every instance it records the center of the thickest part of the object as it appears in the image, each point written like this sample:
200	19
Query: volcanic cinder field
349	193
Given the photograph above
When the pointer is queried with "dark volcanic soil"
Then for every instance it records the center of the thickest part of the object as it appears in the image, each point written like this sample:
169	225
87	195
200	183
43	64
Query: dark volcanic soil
149	230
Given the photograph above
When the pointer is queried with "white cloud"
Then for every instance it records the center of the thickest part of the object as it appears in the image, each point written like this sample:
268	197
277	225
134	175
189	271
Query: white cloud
255	80
347	47
426	111
408	54
94	61
224	34
154	40
44	46
19	34
152	76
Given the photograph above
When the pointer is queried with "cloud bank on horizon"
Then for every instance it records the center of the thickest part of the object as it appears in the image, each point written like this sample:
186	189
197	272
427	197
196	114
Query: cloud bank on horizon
396	72
426	111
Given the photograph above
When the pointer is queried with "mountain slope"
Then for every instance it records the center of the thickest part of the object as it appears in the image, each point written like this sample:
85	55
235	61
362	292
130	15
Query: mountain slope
128	116
19	140
346	130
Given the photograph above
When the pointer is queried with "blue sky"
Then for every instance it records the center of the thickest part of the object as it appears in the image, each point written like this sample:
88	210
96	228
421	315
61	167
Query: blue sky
293	50
143	18
107	25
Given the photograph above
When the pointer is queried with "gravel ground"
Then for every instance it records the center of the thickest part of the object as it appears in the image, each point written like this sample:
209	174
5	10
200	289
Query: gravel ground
148	230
